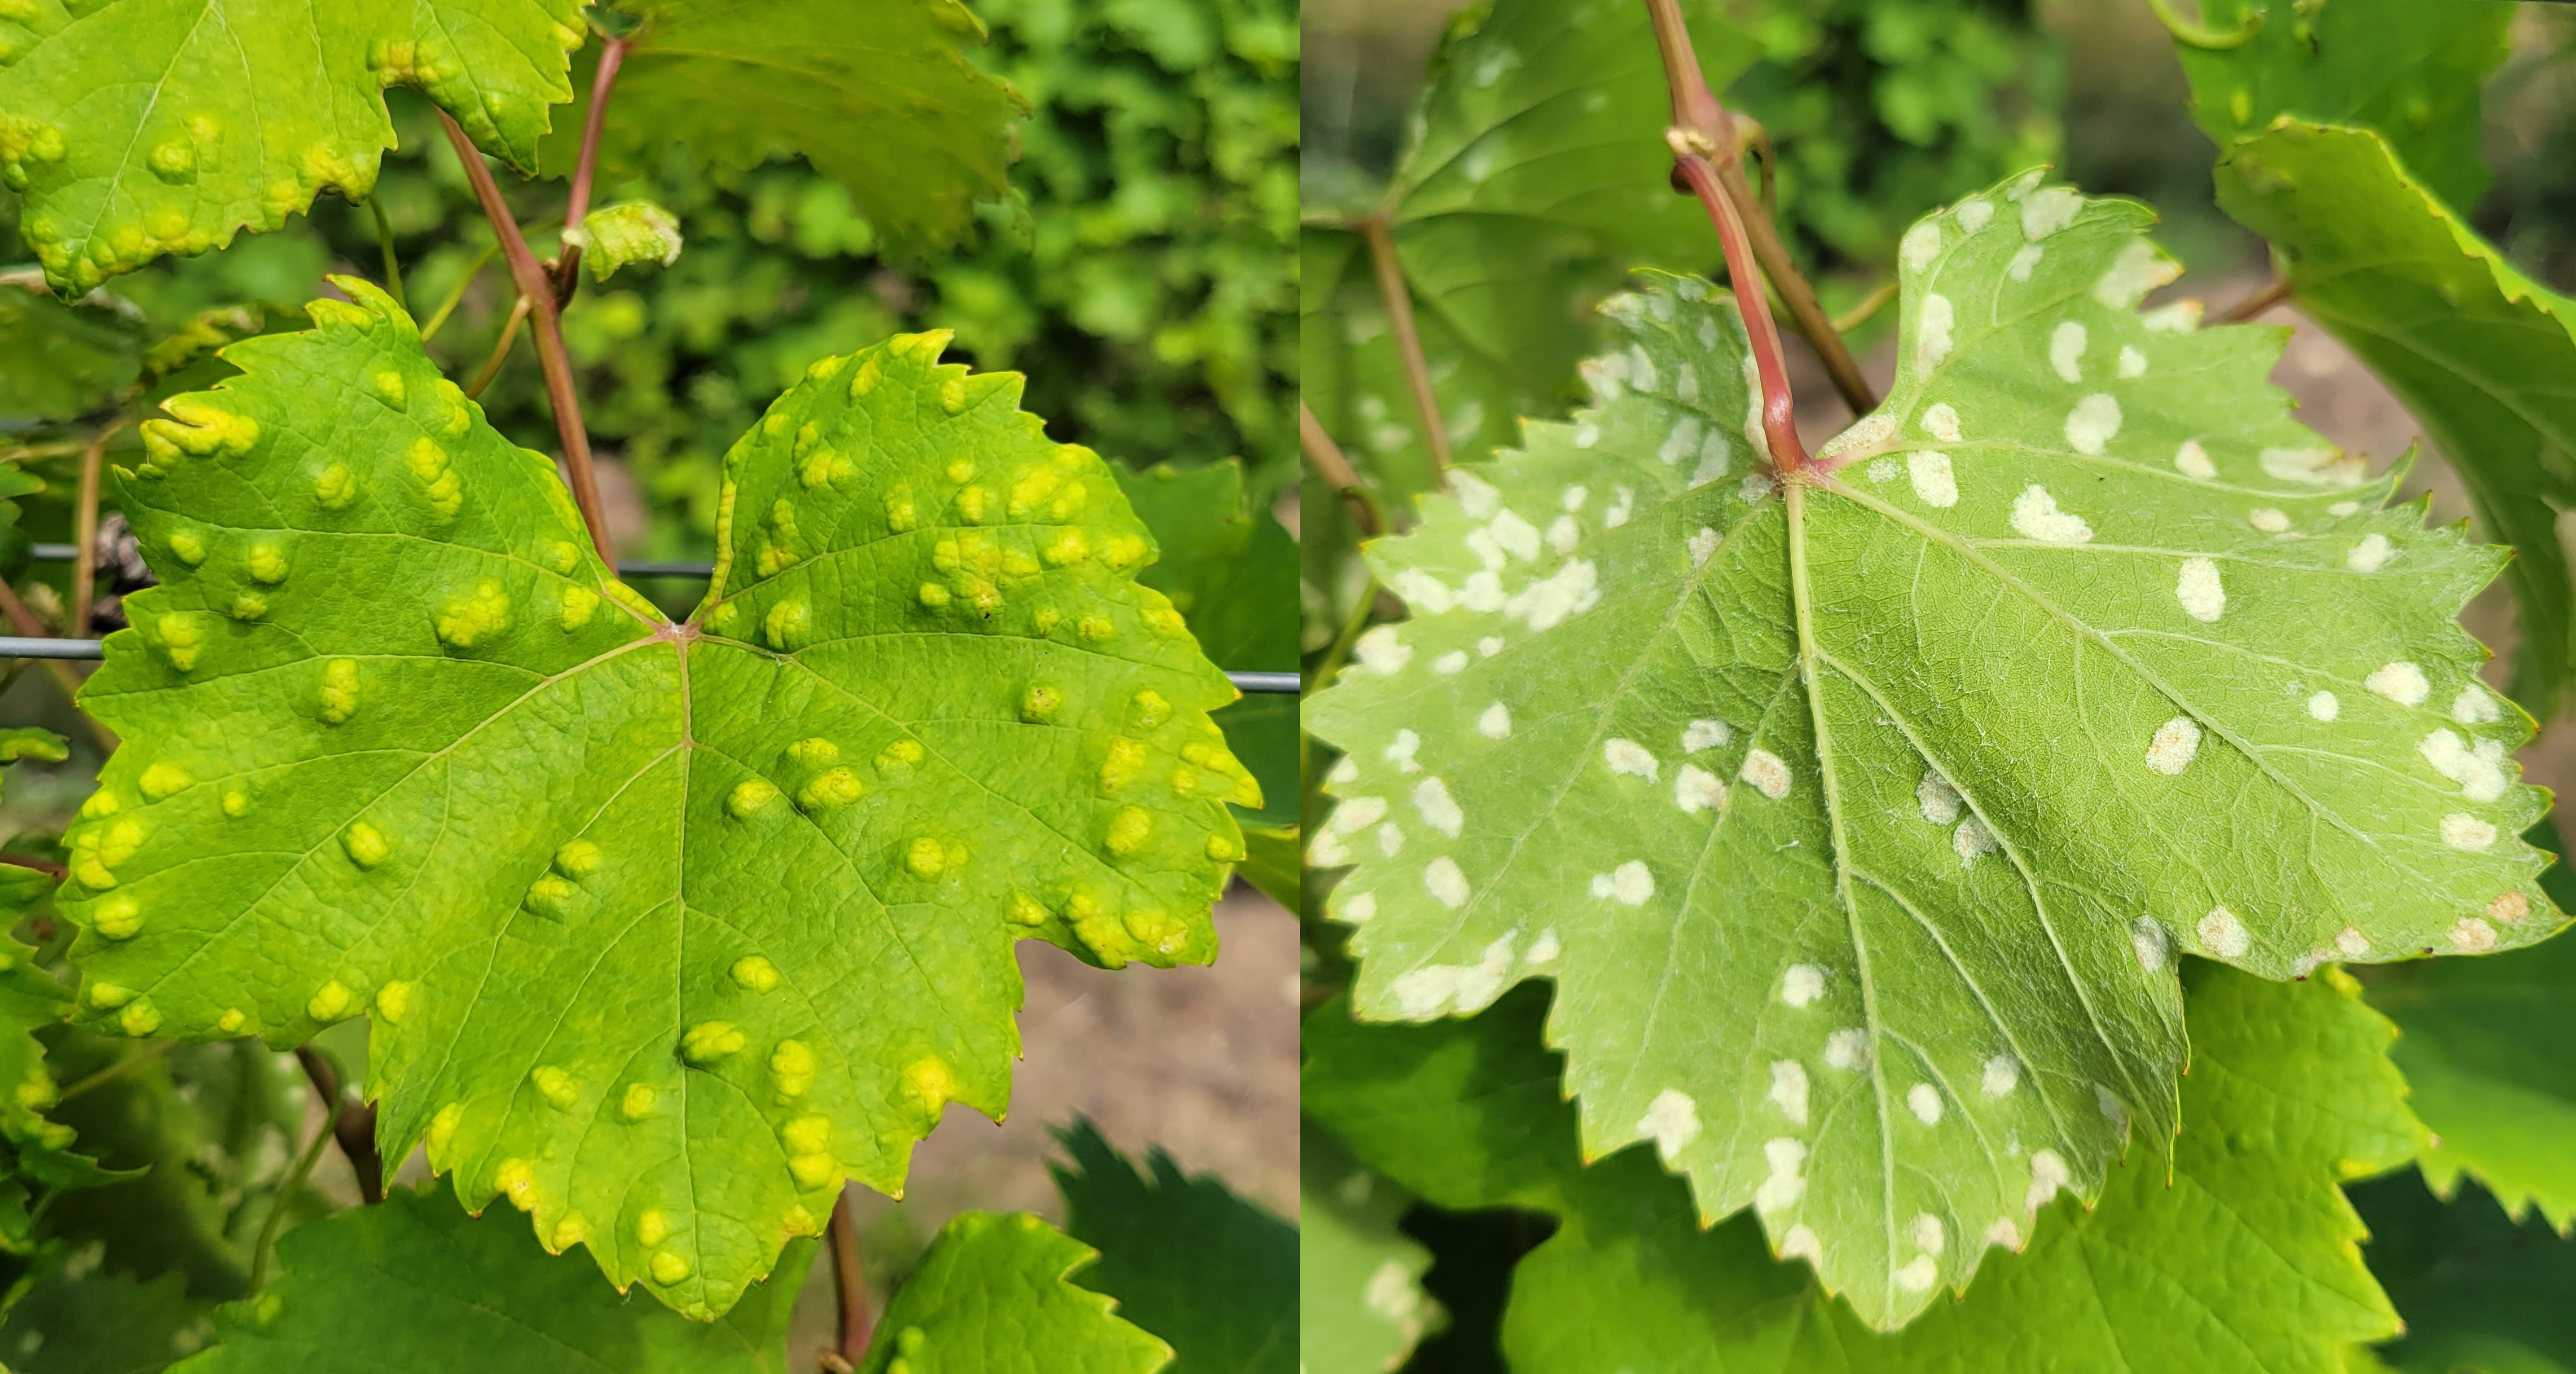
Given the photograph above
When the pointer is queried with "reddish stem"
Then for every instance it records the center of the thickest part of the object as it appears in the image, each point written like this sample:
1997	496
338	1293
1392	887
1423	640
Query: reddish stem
1398	297
534	284
612	55
850	1286
1779	410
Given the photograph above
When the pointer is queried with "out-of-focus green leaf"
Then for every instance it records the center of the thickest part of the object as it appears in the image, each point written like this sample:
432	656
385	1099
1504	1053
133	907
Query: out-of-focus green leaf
1273	862
2409	71
2238	1258
1537	170
880	98
60	361
75	1317
995	1295
1361	1307
413	1285
1209	1272
2479	1290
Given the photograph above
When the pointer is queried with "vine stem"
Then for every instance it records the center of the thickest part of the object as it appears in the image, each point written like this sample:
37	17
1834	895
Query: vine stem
352	1124
1708	132
2272	293
85	530
548	327
1408	339
500	348
24	621
612	55
385	244
850	1289
287	1187
1779	409
1336	470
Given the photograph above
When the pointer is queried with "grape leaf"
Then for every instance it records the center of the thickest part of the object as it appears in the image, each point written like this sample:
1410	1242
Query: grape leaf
1213	1274
2478	1052
2408	70
206	1133
70	1317
1233	573
1859	819
664	929
2478	1290
2238	1256
994	1294
135	128
407	1284
1360	1300
2366	235
622	235
889	106
1537	160
60	361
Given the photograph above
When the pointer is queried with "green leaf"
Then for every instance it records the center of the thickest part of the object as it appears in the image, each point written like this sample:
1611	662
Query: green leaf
2478	351
2410	71
2479	1052
2479	1290
1360	1299
637	954
75	1318
409	1283
57	361
1272	863
2239	1256
1860	819
1186	1259
1233	572
639	231
1537	168
994	1293
887	104
2365	231
141	127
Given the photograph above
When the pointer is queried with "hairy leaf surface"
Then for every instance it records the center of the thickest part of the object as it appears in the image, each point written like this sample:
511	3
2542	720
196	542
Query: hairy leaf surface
883	100
141	127
664	929
1360	1301
408	1284
2236	1254
994	1295
1207	1271
1859	820
2368	226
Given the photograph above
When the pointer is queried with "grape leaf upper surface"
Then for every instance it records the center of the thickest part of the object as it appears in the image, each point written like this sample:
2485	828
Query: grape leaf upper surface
141	127
2367	227
410	1283
2235	1252
664	929
883	100
994	1293
1859	819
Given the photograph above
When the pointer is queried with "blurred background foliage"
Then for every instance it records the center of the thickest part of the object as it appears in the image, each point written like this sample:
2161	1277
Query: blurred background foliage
1142	274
